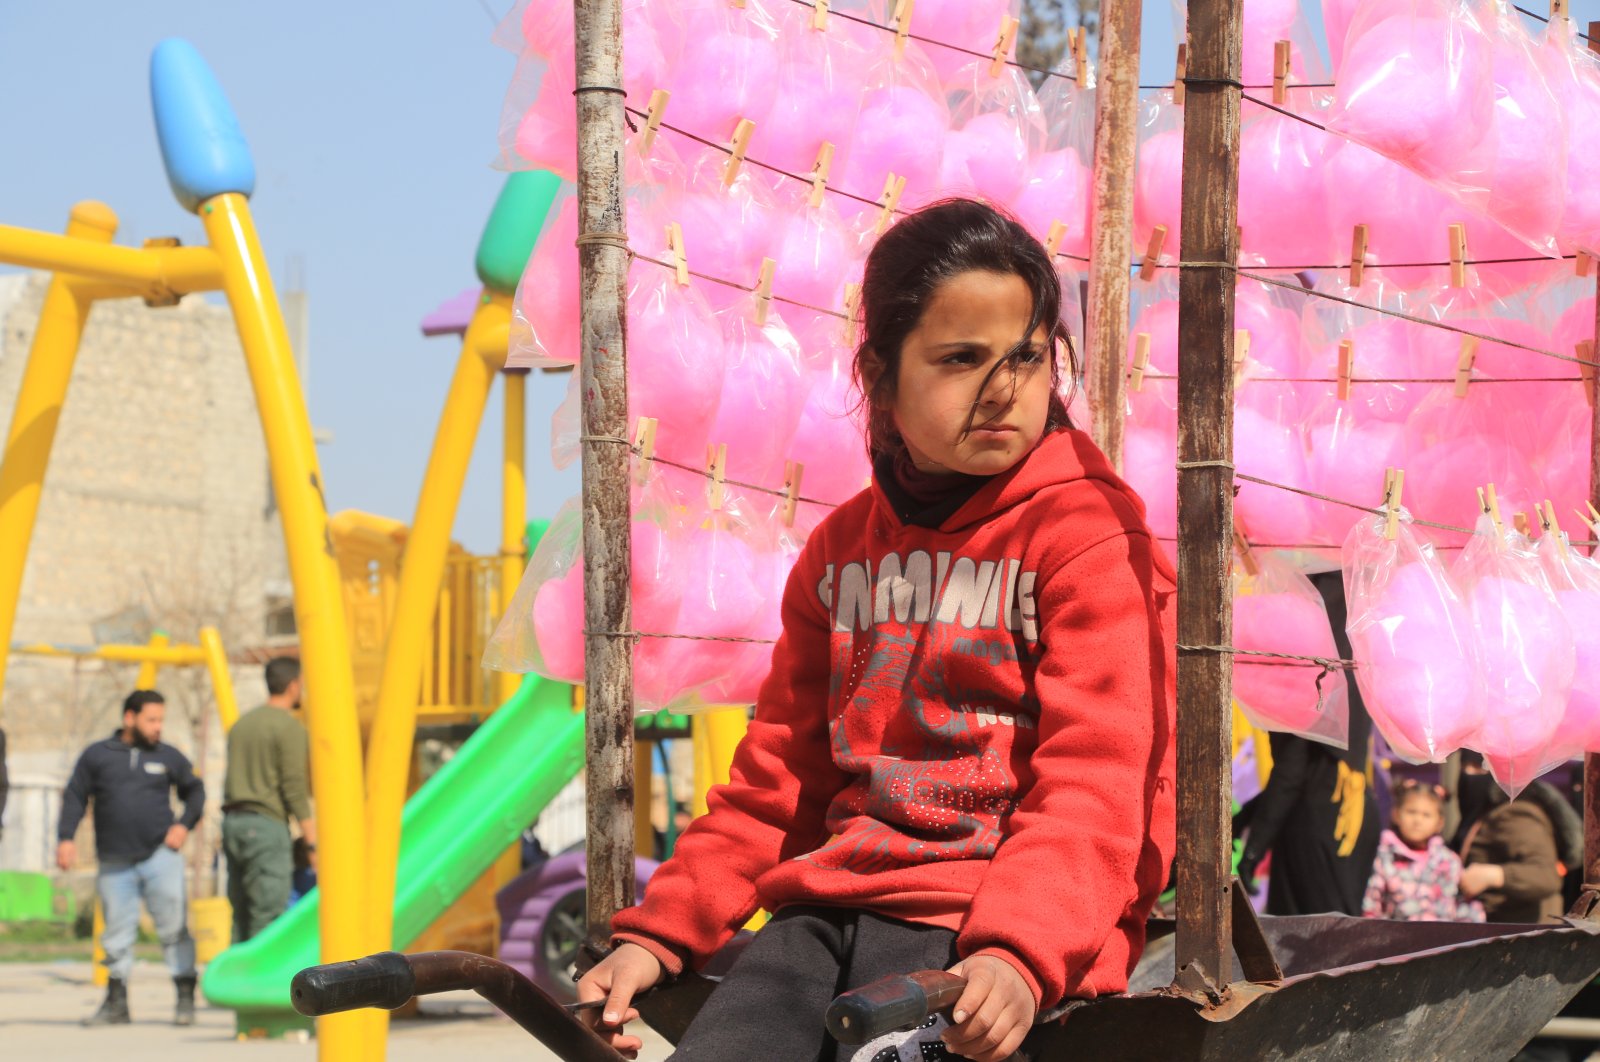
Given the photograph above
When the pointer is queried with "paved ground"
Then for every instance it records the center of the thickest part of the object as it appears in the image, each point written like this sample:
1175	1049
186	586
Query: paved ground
41	1003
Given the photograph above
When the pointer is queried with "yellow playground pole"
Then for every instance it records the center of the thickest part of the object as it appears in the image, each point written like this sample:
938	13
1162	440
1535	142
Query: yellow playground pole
221	679
38	412
149	669
513	508
416	598
318	607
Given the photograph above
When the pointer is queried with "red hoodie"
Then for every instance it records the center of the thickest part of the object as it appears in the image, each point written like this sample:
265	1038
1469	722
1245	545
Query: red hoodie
969	726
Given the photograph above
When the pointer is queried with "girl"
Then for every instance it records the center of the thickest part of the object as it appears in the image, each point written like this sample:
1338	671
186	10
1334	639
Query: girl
963	755
1417	877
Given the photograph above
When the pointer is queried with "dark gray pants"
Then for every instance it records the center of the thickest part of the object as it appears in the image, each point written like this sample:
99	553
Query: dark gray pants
260	861
771	1004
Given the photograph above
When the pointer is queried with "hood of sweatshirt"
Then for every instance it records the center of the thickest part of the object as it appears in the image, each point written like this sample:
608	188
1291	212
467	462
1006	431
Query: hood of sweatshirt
1063	456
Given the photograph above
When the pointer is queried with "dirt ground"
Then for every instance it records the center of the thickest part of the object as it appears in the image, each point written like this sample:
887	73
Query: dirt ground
42	1002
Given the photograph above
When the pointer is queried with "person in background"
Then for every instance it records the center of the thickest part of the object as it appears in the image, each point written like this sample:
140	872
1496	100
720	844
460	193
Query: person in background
5	783
1515	851
268	780
1417	877
1317	815
129	778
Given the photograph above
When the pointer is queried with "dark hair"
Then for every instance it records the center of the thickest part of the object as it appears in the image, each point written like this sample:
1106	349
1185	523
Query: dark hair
136	701
280	671
1406	788
905	269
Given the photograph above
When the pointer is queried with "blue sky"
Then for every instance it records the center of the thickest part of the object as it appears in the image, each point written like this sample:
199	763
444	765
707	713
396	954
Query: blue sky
373	127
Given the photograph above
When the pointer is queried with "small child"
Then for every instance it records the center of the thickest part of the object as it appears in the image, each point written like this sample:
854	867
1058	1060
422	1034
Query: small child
1417	877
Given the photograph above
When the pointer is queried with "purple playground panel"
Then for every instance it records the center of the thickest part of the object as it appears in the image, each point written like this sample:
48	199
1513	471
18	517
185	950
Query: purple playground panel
542	919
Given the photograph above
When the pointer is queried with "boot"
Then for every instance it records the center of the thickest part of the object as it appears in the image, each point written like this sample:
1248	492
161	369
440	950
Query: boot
114	1011
184	1015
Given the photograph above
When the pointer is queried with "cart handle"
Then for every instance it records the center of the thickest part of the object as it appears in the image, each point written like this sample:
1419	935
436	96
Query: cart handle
389	979
903	1001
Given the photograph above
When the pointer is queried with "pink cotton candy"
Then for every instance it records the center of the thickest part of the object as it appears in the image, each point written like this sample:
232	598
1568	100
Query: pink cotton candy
1575	79
1283	196
676	363
1264	23
1404	215
728	73
1580	724
731	234
1527	655
1158	188
1416	667
901	131
1527	185
547	295
814	256
1347	458
819	94
969	24
1271	450
1336	16
763	394
1417	86
751	662
1057	189
558	626
1283	698
987	158
1149	458
829	442
547	136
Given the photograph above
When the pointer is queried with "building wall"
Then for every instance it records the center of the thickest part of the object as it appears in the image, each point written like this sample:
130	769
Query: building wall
155	512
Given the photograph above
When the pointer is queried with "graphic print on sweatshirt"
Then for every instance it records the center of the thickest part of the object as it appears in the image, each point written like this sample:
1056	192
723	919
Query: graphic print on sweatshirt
932	706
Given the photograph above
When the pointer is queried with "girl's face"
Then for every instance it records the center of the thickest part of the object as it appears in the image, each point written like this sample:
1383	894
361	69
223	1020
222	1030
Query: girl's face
1417	819
972	323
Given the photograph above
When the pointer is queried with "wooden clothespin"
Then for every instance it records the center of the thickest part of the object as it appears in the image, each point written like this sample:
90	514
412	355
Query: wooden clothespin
1002	46
1458	255
819	17
1552	526
1586	368
819	174
680	260
652	120
717	469
644	441
1520	522
1594	515
1393	487
1489	502
1152	253
1052	240
1241	546
1282	53
1141	360
1241	353
792	473
1347	357
1078	41
764	291
1179	74
1558	9
741	144
1358	254
1469	354
902	25
852	302
1583	263
892	187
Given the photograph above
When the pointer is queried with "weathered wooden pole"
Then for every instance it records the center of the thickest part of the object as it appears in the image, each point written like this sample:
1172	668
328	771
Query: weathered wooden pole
1116	134
1591	761
607	617
1205	493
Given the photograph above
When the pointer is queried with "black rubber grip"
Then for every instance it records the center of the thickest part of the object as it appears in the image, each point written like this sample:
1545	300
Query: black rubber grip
382	980
881	1007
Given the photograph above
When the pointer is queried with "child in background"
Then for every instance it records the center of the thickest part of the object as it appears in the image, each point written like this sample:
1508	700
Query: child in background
963	756
1417	877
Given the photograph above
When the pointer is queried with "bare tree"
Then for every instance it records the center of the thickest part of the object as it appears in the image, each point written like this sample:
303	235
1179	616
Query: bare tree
1042	38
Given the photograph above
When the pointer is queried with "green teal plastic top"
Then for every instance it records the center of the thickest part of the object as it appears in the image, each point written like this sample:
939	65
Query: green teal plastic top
513	228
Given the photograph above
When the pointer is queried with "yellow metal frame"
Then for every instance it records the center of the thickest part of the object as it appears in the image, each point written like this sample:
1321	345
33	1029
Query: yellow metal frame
88	267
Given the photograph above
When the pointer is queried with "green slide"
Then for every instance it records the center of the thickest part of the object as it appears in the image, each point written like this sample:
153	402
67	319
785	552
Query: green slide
454	827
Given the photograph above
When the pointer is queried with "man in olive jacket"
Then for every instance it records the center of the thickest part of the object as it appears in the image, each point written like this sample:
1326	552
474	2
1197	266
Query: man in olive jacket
268	780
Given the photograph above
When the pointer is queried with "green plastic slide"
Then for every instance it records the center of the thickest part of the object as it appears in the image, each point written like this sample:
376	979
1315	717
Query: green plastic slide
453	828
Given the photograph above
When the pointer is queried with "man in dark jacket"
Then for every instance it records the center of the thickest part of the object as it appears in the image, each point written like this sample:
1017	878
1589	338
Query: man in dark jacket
129	778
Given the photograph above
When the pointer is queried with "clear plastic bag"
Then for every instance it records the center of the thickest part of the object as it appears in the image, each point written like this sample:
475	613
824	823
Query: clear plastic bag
901	130
1573	74
729	68
1059	185
997	129
727	227
1285	218
1576	582
830	440
763	394
1416	84
820	78
968	24
1526	654
1413	642
1527	185
1277	610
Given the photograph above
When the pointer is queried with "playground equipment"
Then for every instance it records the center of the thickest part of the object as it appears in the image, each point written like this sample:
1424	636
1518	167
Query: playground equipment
413	667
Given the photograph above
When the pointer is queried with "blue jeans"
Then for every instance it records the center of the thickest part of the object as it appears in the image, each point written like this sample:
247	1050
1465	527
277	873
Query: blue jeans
158	880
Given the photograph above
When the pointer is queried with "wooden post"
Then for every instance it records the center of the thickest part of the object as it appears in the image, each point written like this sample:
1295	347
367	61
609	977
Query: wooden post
1591	761
603	268
1116	134
1205	495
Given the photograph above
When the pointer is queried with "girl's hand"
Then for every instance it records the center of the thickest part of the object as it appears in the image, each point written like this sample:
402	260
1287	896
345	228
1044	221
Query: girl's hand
626	971
993	1014
1480	877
